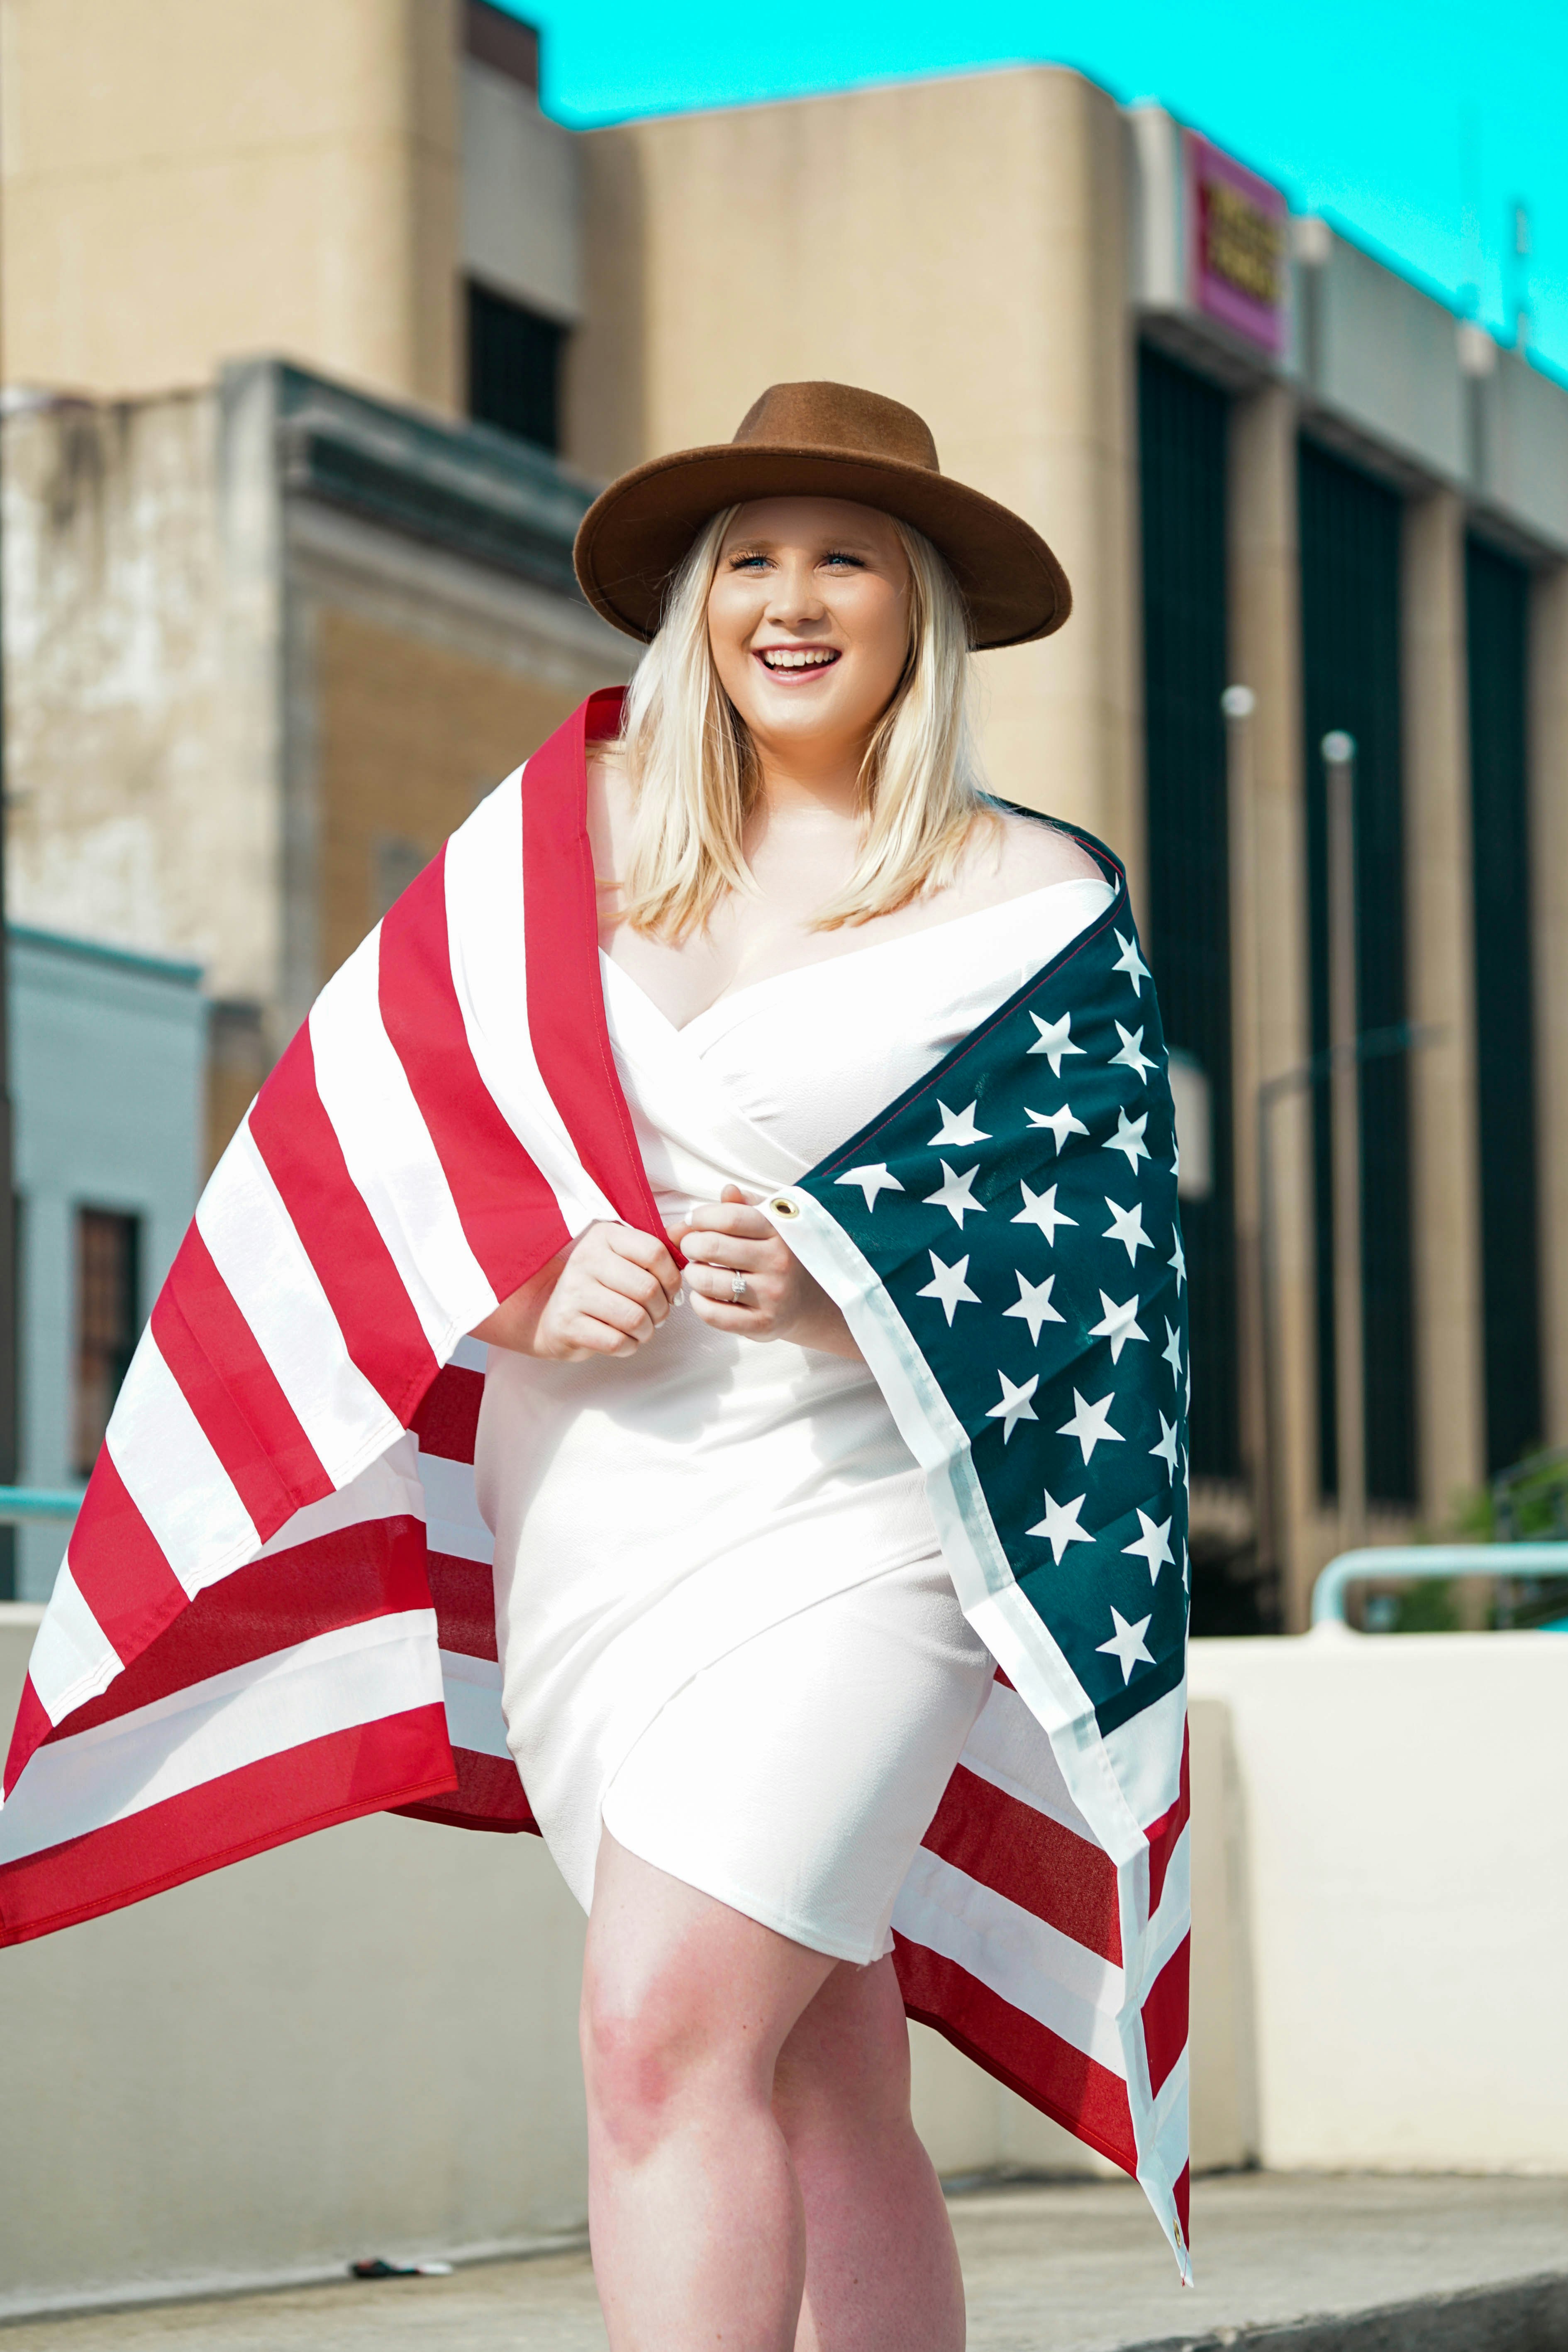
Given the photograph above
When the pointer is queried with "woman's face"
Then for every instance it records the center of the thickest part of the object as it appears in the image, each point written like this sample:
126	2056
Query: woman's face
808	618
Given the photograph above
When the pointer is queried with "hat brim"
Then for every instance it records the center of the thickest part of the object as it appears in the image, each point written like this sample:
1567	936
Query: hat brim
635	534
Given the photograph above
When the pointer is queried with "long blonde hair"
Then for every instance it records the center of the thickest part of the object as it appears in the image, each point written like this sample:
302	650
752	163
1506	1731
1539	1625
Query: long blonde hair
694	775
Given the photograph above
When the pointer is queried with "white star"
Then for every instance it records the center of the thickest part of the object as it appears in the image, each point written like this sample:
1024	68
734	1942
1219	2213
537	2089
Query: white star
1059	1527
1187	1400
1131	1052
1040	1209
1090	1425
958	1127
1185	1586
1033	1306
1061	1122
871	1181
1119	1325
955	1194
1166	1449
1127	1226
1129	1138
1131	963
1171	1351
1055	1040
1015	1405
1153	1544
1178	1259
1126	1645
1175	1156
948	1284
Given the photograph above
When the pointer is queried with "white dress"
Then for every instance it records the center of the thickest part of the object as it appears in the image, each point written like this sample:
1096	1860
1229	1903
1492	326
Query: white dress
725	1626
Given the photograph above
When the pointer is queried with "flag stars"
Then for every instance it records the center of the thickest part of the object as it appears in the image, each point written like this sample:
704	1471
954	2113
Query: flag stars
1166	1448
1014	1406
958	1127
1129	1138
948	1285
1127	1226
954	1195
1127	1645
1040	1209
1131	1052
1131	963
1178	1259
1091	1424
1062	1123
1055	1040
1119	1323
1153	1545
1034	1306
1171	1352
871	1180
1060	1524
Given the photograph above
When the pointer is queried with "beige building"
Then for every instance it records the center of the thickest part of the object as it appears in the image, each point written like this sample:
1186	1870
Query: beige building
319	334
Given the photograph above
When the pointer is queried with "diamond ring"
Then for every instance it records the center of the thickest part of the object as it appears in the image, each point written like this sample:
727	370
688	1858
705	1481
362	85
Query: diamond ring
737	1284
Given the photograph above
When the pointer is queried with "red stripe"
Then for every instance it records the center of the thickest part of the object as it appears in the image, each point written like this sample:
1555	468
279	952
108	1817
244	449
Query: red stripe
507	1209
1163	1834
1182	2192
565	995
448	1421
1087	2099
465	1596
353	1575
1031	1858
32	1728
489	1796
1165	2015
120	1568
245	1415
353	1265
403	1760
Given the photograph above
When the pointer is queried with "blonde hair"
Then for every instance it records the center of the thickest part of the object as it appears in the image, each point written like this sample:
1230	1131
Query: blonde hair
694	775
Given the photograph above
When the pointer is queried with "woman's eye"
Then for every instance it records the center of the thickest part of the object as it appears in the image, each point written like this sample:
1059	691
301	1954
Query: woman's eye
847	562
748	562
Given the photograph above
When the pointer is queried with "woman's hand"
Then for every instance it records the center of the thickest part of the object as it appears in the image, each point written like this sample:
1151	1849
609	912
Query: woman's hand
605	1295
721	1239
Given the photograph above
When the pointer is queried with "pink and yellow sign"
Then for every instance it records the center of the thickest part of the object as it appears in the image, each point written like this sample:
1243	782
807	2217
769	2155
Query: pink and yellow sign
1235	245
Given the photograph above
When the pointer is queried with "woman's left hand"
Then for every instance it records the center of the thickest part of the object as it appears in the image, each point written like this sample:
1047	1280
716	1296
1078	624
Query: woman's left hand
725	1238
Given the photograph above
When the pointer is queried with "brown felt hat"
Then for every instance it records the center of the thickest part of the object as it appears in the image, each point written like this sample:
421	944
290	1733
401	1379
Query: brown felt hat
827	441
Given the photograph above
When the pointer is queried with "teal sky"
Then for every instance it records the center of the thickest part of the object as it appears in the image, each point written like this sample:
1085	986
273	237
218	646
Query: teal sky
1417	124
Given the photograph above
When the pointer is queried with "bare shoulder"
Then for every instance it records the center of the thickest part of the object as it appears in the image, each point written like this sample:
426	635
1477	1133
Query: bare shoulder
609	812
1030	854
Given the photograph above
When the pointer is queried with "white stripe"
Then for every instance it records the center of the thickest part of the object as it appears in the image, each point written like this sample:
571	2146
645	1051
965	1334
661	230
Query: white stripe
1145	1754
1009	1748
389	1489
171	1471
356	1674
73	1659
365	1093
490	973
242	1219
452	1521
474	1717
471	1354
1174	1918
1026	1963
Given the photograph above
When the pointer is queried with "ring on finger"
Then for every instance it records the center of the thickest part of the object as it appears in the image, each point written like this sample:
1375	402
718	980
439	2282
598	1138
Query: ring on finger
737	1285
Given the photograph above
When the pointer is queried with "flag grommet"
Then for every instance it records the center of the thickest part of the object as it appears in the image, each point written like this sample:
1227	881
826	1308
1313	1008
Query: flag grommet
782	1208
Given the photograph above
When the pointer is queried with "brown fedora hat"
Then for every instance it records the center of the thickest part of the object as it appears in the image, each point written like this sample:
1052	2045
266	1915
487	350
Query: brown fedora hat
828	441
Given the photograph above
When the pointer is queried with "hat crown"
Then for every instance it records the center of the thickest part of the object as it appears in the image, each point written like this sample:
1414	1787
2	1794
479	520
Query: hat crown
840	417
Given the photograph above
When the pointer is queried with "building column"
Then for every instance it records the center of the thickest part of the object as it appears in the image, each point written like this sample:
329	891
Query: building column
1445	1177
1549	860
1272	1028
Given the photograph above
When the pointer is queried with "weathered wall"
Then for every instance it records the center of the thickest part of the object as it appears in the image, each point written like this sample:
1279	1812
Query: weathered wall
184	184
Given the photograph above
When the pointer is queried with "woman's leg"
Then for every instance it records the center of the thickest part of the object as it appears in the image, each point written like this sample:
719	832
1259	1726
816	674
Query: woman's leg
881	2266
698	2228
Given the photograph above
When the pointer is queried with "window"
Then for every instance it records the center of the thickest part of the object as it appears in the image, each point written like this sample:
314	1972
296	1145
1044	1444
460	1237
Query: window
108	1317
514	368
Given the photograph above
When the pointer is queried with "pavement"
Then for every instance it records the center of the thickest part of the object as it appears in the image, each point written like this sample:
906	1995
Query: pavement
1302	2263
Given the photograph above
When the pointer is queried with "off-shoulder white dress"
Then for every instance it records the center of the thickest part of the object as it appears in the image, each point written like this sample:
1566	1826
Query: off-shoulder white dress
726	1629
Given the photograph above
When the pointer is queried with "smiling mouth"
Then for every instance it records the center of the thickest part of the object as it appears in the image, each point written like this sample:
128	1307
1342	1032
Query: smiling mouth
795	661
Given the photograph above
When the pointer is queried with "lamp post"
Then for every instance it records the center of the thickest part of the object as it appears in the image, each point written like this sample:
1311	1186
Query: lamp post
1338	751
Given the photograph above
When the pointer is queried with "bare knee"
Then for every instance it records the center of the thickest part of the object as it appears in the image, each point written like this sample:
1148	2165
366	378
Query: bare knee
642	2053
844	2072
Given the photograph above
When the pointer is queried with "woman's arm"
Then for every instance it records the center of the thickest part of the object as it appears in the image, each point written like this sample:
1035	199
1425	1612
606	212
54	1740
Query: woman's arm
722	1238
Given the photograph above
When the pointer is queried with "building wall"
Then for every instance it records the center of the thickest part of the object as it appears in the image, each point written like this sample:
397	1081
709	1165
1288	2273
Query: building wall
106	1083
184	183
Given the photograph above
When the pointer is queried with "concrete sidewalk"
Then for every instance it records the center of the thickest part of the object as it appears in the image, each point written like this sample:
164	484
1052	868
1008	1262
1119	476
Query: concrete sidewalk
1072	2267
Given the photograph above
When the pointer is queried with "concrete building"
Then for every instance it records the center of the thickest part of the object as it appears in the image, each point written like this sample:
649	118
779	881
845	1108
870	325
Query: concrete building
321	597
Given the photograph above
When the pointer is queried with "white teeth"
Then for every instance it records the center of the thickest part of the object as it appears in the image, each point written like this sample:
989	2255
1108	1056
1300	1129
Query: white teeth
786	657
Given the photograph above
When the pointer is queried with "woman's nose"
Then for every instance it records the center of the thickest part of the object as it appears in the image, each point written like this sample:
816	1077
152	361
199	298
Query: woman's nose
795	595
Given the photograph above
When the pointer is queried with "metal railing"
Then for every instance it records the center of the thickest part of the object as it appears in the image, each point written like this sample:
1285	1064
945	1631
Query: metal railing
22	1506
1378	1562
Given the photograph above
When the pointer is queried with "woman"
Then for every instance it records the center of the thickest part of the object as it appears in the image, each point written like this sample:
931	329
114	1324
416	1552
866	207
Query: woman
794	845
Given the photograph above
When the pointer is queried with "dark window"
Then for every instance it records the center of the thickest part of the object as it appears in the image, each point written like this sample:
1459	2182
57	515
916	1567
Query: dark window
1182	457
514	368
108	1318
497	39
1350	529
1496	607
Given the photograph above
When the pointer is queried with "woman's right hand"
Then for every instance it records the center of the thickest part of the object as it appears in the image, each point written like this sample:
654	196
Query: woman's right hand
605	1295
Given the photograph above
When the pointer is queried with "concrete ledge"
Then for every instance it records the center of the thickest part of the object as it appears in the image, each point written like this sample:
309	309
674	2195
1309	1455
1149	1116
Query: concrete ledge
1524	2315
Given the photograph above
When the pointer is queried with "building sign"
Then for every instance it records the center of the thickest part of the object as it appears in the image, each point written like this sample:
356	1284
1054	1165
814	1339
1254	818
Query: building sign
1236	246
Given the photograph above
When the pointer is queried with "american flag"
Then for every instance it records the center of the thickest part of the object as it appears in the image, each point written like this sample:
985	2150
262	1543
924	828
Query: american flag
275	1610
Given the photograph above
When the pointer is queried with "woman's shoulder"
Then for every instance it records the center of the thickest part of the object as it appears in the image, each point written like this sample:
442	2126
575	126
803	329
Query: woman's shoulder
1029	853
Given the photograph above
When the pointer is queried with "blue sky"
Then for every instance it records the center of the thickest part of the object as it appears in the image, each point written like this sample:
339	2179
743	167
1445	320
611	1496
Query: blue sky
1416	124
